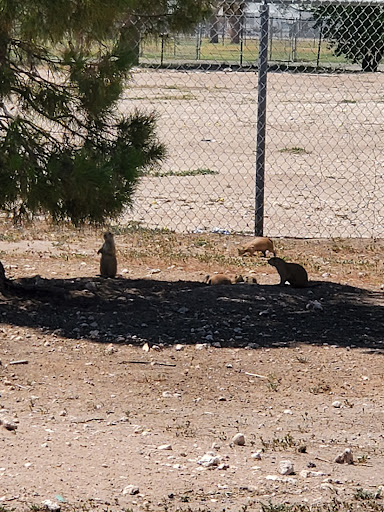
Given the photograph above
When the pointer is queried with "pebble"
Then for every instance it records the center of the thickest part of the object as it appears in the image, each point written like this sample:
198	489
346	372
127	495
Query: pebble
286	467
209	460
256	455
110	349
336	404
131	490
8	424
239	439
314	305
51	505
345	458
306	474
164	447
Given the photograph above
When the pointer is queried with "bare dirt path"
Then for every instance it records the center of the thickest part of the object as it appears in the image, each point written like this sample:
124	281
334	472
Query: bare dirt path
128	383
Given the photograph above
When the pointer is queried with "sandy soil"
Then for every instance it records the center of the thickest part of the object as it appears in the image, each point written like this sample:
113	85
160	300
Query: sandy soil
123	382
324	152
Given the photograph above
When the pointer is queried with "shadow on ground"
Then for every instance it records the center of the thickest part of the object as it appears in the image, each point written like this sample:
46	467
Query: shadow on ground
138	311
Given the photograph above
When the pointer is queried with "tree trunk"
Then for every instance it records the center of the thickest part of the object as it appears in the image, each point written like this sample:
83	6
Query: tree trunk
2	278
214	29
234	29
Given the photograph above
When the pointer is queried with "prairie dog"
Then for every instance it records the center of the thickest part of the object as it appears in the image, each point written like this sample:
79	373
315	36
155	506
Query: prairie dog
218	279
224	279
108	261
260	243
245	279
293	273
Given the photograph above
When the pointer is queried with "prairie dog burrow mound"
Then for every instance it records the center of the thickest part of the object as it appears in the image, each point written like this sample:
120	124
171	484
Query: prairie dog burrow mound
108	261
291	273
260	243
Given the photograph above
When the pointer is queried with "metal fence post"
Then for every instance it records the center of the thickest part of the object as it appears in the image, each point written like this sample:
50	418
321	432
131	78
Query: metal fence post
261	119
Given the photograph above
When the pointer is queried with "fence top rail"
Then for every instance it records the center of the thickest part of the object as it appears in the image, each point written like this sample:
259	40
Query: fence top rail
315	3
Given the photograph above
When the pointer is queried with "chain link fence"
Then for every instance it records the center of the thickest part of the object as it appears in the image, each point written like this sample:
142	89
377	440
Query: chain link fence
308	136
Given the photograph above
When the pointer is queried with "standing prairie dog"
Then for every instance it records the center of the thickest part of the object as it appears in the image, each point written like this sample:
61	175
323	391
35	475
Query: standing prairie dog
260	243
293	273
108	261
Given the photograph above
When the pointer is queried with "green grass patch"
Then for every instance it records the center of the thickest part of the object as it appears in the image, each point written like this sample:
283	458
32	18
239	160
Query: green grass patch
295	150
191	172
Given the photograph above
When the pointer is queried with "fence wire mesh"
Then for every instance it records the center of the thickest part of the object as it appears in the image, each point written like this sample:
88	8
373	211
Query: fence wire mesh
324	159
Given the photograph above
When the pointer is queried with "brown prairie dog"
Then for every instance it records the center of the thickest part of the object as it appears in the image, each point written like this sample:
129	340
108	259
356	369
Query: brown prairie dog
260	243
245	279
293	273
218	279
108	261
224	279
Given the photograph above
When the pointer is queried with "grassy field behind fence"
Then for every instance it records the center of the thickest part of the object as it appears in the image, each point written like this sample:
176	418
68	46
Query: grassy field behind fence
302	51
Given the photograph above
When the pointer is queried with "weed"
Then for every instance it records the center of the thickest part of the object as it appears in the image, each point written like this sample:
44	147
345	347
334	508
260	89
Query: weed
294	150
272	382
363	459
320	388
302	359
280	443
363	494
192	172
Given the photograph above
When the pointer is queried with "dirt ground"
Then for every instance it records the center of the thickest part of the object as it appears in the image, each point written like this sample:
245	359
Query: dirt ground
324	152
127	393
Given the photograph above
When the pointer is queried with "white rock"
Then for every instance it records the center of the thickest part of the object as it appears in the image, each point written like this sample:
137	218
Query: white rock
8	424
209	460
257	455
51	505
336	404
314	305
179	347
239	439
345	458
110	349
286	467
131	489
164	447
305	473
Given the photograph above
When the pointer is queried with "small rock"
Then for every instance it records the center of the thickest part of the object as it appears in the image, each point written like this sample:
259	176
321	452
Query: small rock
239	439
8	424
223	466
286	467
256	455
131	490
209	460
146	347
110	349
336	404
179	347
164	447
345	458
51	505
314	305
306	474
